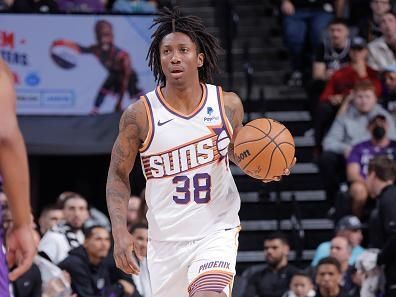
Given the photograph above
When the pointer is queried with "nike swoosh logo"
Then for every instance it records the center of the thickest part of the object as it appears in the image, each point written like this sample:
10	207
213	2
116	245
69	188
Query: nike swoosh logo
163	123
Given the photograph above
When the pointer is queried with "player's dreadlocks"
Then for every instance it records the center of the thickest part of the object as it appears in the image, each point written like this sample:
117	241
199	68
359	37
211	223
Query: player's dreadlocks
172	21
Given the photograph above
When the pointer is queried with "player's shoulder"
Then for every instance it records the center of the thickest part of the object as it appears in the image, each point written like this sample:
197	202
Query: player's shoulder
232	101
134	114
136	117
231	97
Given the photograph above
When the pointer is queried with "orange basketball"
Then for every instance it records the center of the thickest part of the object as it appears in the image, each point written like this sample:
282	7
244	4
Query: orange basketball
264	148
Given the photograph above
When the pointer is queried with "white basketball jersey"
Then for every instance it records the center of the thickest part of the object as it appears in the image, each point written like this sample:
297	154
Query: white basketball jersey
190	191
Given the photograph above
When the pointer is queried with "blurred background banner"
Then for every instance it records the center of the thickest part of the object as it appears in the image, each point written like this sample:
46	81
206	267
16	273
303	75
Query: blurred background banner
76	64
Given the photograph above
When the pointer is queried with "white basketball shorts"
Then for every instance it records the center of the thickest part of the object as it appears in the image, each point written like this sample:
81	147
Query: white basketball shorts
180	269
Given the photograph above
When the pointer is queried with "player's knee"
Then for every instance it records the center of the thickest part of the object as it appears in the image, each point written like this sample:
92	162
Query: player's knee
358	191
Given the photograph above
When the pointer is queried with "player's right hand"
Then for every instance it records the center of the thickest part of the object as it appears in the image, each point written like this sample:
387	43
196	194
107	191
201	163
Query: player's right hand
287	171
125	246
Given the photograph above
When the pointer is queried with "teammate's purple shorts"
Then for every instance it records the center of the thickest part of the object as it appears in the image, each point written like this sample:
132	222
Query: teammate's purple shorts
4	284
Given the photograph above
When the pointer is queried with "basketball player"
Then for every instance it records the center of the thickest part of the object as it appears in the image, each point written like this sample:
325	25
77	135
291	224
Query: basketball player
182	130
121	76
14	170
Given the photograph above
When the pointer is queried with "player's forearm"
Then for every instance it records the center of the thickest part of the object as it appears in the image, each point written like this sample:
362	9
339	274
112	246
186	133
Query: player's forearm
231	154
117	196
14	169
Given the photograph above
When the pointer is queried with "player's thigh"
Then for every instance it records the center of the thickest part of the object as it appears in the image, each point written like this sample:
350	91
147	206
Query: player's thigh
168	266
213	268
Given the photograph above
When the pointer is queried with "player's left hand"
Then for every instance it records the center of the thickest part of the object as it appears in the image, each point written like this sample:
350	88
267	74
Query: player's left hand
20	250
287	171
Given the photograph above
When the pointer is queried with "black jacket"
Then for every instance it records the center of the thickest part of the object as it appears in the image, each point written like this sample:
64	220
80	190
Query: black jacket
269	283
387	211
387	257
29	283
88	280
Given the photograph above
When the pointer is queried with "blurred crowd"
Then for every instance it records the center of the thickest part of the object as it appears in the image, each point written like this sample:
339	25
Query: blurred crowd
343	53
74	251
80	6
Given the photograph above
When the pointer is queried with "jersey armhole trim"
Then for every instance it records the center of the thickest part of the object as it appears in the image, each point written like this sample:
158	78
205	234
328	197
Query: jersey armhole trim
150	132
223	113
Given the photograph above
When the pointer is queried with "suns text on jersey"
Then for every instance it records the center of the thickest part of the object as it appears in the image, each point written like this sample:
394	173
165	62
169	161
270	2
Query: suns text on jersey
181	159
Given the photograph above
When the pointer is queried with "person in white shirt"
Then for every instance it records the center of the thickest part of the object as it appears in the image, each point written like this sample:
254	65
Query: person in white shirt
59	240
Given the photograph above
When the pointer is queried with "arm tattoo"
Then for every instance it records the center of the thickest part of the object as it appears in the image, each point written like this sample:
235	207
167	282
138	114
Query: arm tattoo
122	159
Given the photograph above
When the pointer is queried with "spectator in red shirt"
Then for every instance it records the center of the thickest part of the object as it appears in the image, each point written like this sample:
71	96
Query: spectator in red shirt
340	85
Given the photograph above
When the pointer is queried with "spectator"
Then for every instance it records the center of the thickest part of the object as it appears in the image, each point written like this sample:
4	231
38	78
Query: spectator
86	6
59	240
55	282
349	227
133	211
381	50
273	280
50	216
135	6
300	286
328	278
341	250
331	54
355	10
349	128
389	98
5	5
380	184
87	269
299	19
96	217
142	280
369	28
361	154
340	85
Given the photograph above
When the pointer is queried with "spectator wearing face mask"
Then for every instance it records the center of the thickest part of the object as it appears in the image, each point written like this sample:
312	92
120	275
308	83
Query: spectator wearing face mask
361	154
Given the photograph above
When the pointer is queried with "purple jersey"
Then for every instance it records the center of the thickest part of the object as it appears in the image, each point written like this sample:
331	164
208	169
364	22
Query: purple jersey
364	151
4	285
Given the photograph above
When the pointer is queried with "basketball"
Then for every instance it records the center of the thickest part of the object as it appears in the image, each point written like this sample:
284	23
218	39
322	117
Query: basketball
264	148
64	54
